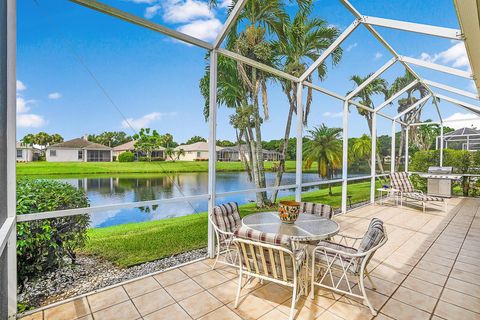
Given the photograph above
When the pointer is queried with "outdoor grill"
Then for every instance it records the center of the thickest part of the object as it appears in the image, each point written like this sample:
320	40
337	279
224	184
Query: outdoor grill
440	181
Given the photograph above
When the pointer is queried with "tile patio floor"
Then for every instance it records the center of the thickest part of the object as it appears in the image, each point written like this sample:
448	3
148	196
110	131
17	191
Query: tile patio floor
429	269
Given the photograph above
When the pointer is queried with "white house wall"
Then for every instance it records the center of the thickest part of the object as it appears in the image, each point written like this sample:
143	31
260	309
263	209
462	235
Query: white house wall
64	155
27	155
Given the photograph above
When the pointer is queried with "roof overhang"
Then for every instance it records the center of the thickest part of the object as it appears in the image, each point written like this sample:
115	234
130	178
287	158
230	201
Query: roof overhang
468	12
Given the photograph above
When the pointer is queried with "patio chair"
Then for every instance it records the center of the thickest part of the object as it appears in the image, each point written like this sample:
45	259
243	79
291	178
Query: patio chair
272	257
400	181
319	209
225	219
347	259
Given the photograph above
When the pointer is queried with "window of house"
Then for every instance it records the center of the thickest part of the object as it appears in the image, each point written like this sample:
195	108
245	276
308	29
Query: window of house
53	153
80	154
199	154
19	153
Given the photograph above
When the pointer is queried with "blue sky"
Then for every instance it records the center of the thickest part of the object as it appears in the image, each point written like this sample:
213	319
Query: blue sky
153	80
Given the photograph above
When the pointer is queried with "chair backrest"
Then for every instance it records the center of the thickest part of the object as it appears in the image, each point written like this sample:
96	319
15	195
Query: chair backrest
373	237
400	181
318	209
226	217
268	255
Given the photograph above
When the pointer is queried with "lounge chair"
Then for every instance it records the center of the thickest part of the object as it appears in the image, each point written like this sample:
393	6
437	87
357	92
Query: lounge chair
225	219
272	257
339	261
401	182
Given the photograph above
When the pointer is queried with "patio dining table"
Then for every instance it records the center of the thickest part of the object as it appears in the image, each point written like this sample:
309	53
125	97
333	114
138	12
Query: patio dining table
308	227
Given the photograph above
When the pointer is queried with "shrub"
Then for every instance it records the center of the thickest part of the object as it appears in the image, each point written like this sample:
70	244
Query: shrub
158	159
126	157
44	245
143	159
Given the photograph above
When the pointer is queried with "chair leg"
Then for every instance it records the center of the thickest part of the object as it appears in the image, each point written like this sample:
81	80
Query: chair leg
240	277
364	293
294	300
218	251
423	203
374	287
312	285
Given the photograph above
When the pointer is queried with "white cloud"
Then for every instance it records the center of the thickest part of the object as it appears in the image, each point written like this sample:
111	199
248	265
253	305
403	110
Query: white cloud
329	114
206	30
225	3
20	86
152	11
180	11
54	95
352	46
30	120
24	105
142	122
378	55
467	120
455	56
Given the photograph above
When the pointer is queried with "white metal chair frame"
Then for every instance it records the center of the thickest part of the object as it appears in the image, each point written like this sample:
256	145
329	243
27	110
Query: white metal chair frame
246	247
345	262
225	238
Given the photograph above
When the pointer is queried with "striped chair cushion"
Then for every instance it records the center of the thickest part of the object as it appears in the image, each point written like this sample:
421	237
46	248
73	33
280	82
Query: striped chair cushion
227	217
375	233
319	209
272	239
400	181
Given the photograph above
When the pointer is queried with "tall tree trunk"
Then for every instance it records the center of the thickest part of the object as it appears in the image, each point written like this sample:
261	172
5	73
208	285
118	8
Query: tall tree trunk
379	159
286	136
241	153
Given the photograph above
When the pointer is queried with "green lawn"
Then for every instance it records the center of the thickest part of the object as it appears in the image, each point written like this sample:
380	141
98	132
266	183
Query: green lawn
40	168
135	243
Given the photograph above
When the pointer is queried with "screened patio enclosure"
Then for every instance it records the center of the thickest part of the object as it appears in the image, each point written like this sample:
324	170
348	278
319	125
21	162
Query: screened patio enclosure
468	16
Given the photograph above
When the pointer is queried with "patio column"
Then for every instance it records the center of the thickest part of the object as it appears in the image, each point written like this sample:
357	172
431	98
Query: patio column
393	153
212	150
441	145
468	143
8	258
299	153
373	168
407	132
345	157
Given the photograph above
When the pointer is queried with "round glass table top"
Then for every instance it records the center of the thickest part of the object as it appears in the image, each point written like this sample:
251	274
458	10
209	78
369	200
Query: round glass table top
307	227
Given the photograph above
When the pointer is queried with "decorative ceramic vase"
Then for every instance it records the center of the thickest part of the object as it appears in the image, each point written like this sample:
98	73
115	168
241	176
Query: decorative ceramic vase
288	211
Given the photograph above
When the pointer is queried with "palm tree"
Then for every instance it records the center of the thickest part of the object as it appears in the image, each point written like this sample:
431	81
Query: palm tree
403	104
324	148
169	153
303	40
362	148
364	96
180	152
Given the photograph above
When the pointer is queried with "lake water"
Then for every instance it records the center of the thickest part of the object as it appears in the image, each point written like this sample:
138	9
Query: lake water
142	187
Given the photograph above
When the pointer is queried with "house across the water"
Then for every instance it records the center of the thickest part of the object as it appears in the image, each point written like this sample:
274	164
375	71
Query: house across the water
79	150
26	153
130	146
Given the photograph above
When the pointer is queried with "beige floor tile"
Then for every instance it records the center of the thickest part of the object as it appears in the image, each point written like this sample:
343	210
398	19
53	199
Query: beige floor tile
107	298
183	289
450	311
465	276
222	313
416	299
194	269
381	316
152	301
421	286
433	267
251	307
387	273
401	311
431	277
122	311
170	277
210	279
462	286
475	269
350	309
462	300
383	286
275	314
172	312
139	287
34	316
200	304
273	293
227	292
70	310
304	309
89	317
324	298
